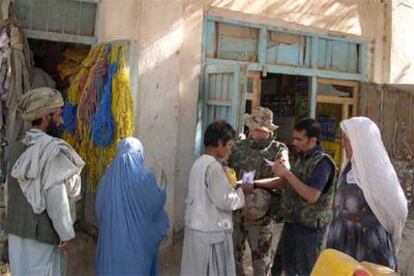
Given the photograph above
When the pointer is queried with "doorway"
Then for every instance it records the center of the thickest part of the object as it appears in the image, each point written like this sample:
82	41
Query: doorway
286	95
336	101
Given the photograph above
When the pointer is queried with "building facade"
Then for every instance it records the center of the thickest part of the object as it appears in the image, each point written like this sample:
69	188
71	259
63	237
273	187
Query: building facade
194	61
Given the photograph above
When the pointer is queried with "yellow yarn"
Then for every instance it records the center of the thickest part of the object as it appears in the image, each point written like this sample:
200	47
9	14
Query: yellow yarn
122	110
98	158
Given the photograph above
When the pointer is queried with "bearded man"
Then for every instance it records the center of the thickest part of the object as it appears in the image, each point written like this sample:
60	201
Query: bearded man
43	181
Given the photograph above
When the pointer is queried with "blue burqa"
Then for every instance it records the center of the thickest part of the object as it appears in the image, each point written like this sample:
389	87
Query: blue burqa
129	208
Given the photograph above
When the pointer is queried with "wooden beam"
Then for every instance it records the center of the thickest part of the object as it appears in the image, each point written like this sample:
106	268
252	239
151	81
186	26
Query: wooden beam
338	82
42	35
219	102
334	100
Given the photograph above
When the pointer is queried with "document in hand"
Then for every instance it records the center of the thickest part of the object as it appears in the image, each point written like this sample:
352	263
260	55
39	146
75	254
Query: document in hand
248	177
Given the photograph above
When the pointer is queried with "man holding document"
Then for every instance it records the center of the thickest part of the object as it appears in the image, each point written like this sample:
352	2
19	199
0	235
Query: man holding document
307	201
255	222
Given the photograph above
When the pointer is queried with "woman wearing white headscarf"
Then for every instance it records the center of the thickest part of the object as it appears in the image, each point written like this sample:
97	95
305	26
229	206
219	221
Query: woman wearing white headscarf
370	207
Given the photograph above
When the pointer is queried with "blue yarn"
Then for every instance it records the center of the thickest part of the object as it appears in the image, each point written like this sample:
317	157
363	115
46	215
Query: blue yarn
69	117
102	127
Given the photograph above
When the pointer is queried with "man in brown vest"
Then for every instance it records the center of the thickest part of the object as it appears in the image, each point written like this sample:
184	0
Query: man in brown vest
43	180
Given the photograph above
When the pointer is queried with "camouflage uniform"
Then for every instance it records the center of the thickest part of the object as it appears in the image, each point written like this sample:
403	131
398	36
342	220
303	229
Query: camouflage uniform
256	223
296	209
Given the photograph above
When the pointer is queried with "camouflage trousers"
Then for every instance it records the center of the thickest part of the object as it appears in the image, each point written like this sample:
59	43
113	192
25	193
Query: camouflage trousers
262	237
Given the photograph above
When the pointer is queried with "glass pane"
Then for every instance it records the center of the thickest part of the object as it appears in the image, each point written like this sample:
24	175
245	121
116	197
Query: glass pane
337	55
237	43
288	49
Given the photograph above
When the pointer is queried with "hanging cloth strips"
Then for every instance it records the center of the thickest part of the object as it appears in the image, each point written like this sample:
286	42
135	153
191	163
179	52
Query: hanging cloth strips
102	124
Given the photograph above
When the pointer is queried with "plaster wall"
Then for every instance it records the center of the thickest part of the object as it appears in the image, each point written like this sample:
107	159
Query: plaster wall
169	63
402	54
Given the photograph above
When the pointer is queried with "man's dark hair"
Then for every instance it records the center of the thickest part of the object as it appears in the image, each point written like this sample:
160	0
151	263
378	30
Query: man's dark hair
219	130
310	126
37	122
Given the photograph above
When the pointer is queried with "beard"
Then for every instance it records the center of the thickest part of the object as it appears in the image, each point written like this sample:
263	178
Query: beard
54	130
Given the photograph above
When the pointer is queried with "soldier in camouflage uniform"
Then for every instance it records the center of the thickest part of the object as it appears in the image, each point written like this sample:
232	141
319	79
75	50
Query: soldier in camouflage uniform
255	222
307	201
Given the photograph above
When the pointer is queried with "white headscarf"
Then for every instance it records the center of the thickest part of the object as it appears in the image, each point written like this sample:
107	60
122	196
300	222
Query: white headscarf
373	172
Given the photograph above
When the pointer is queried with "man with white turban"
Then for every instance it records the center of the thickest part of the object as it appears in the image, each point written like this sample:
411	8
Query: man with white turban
43	180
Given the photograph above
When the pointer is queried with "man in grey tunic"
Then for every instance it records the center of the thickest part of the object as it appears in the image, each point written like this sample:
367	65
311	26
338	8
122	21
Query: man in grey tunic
43	181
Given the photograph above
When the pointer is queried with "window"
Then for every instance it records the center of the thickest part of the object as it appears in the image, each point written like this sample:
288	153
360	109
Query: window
288	49
64	20
234	42
336	55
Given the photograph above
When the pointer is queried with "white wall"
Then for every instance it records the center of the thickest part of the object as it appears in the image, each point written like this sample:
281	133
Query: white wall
402	42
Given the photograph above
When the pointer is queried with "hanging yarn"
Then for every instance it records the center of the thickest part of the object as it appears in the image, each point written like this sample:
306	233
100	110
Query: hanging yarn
69	117
102	124
75	92
100	96
122	99
77	85
94	87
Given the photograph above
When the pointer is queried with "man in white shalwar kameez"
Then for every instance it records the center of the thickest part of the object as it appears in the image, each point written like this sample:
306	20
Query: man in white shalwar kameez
43	182
208	244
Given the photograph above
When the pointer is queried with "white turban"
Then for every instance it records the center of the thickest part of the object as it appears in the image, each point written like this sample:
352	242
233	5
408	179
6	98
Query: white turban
39	102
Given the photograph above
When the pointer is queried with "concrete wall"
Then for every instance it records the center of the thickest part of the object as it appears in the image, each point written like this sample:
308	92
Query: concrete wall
115	21
402	42
156	92
169	35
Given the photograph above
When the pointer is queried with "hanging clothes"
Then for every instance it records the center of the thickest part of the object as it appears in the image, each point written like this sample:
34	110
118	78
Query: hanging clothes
129	209
41	79
18	80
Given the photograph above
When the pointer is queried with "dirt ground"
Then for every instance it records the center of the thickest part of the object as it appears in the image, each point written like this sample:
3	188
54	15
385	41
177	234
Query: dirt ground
81	255
170	263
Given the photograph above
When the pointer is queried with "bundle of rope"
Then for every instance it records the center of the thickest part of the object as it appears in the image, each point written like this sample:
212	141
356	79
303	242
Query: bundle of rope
75	91
122	99
100	96
102	124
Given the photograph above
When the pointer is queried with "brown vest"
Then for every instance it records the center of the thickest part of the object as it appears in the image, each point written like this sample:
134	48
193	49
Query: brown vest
20	218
